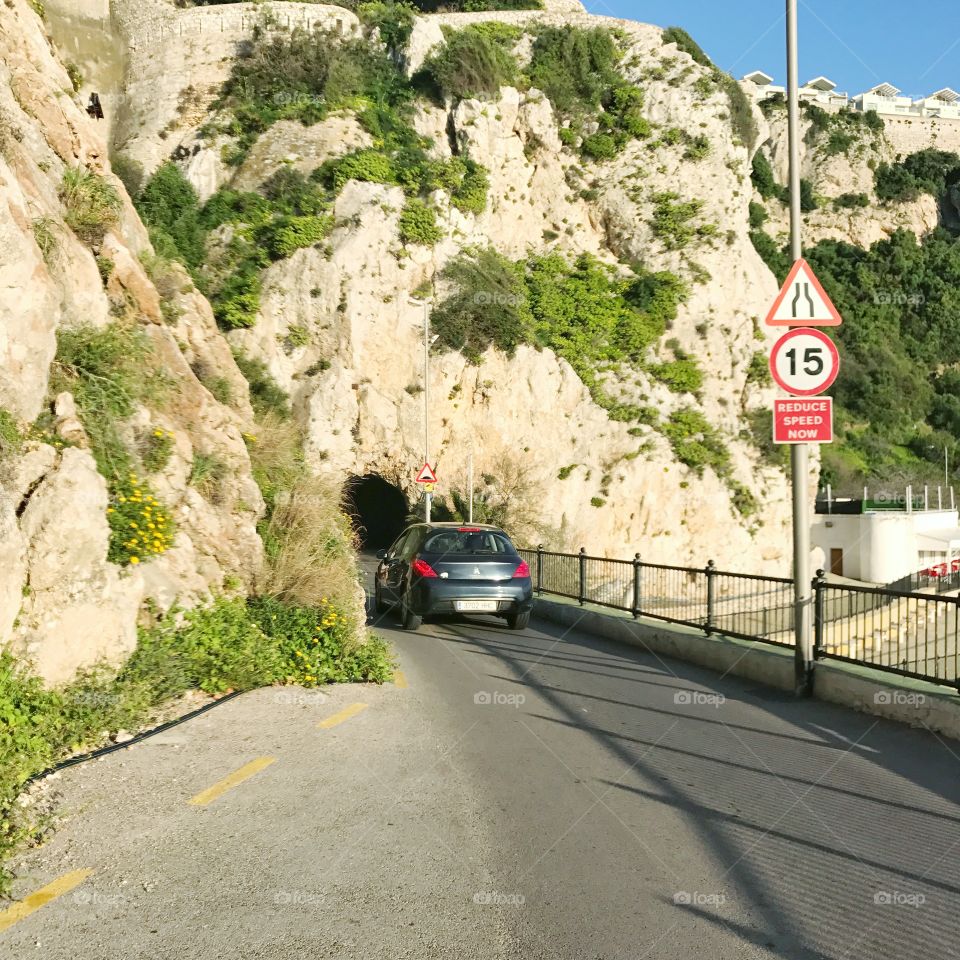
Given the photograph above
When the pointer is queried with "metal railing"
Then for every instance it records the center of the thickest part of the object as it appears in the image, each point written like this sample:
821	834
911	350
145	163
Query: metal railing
914	634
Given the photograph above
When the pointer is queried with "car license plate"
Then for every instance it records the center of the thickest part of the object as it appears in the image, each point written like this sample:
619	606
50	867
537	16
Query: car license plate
476	606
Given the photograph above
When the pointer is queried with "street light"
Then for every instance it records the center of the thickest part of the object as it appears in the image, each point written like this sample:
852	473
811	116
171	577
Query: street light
426	304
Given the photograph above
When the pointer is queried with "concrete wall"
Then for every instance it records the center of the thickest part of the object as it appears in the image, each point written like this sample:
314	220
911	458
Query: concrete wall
178	60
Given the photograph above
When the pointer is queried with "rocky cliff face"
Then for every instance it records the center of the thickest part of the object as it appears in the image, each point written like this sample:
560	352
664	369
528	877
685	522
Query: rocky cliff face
336	327
364	411
62	604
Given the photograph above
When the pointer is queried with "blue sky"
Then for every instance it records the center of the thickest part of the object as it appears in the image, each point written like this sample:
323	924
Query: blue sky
856	43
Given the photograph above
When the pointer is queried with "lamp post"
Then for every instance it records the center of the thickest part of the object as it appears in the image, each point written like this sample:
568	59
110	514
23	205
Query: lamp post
426	304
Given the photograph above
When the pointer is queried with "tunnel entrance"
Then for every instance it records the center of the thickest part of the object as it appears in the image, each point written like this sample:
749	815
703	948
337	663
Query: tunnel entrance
378	510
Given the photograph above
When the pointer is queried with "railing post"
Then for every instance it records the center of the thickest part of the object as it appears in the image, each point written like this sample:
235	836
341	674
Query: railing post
583	576
539	569
637	573
711	598
819	612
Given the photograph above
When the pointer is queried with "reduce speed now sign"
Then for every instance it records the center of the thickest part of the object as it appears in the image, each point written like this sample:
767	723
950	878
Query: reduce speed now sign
804	362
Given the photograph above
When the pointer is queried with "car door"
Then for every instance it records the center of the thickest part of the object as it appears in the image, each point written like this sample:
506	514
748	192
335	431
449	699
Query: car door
394	567
384	571
404	557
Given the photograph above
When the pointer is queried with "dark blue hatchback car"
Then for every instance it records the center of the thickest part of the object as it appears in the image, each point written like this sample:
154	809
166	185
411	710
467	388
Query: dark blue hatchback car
451	568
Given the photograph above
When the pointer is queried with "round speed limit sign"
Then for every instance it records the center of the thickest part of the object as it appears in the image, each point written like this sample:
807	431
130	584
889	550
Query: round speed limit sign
804	362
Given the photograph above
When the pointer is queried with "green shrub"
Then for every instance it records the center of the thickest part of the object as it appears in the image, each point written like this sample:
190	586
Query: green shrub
672	219
471	193
759	370
774	257
579	71
10	437
285	235
696	443
681	375
368	166
156	448
266	395
214	649
763	179
317	645
418	224
236	300
109	371
141	527
849	201
393	20
44	233
808	199
600	146
169	206
758	215
488	306
686	44
207	473
92	205
471	64
301	75
742	121
928	171
698	148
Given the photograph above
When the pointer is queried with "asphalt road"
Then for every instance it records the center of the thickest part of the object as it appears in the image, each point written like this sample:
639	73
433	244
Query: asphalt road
524	795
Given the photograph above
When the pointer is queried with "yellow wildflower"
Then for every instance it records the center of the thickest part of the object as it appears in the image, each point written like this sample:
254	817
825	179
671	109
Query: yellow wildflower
134	559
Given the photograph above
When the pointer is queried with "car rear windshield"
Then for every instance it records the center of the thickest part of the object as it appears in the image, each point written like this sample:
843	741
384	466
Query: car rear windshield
469	542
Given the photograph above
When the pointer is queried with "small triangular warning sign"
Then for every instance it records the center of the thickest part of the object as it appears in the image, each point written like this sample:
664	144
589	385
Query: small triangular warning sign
803	302
426	474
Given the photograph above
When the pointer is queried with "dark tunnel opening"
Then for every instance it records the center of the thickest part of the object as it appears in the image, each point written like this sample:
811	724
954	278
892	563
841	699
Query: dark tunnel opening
378	510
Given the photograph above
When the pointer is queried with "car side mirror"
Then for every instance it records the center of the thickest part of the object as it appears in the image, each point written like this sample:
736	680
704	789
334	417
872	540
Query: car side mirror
381	554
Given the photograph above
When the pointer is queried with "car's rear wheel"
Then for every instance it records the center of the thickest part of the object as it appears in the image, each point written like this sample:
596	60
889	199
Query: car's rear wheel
518	621
410	620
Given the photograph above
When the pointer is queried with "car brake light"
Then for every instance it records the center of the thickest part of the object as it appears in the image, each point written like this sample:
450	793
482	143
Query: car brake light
422	569
523	570
469	530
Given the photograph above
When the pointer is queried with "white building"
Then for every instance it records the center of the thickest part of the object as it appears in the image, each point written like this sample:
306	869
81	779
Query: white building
884	98
823	91
886	542
762	85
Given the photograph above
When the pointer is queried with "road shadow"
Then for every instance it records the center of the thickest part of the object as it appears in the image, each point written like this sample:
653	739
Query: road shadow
838	829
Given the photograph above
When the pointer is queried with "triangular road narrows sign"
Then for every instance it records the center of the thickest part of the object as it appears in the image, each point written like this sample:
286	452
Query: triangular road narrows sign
803	302
426	474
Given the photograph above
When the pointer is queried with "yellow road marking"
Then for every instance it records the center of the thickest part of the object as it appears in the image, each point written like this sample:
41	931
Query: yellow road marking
41	897
228	783
400	680
345	714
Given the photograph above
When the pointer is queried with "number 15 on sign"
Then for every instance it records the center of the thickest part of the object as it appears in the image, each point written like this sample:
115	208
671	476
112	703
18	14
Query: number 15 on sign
804	362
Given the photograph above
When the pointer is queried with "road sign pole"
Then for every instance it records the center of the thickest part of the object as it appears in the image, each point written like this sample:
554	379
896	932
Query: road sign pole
799	454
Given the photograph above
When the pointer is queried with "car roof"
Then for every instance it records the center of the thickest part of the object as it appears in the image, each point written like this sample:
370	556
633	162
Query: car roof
445	525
